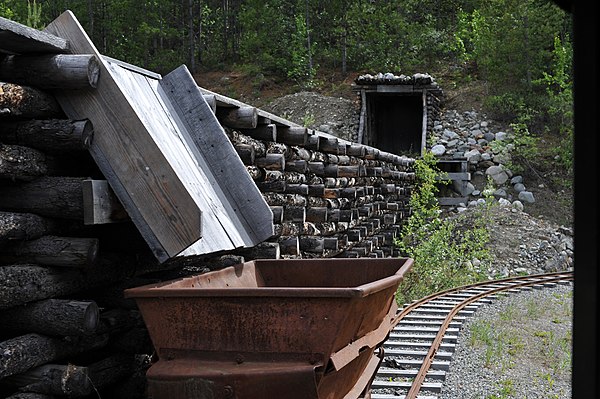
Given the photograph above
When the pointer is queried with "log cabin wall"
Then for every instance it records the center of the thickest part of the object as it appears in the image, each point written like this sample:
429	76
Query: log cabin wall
65	329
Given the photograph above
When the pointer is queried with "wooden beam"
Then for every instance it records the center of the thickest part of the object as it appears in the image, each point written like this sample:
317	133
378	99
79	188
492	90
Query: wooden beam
53	379
100	204
17	38
243	215
48	71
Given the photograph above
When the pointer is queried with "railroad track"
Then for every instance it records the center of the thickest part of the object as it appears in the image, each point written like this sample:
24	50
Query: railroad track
419	349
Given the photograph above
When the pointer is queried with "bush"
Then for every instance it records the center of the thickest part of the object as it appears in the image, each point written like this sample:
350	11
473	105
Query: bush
445	255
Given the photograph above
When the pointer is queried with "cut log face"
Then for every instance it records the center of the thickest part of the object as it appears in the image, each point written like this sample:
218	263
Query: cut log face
53	135
26	102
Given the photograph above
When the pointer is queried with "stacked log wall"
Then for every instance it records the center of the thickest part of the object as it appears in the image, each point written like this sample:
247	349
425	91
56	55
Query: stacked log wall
66	330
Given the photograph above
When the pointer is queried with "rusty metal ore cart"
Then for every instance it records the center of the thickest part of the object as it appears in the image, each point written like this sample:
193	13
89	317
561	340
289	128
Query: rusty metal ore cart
271	328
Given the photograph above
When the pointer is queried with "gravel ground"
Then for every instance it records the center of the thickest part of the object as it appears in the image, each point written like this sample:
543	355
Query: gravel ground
519	346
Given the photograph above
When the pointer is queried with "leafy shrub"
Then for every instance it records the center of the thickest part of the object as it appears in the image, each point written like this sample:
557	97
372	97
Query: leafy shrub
444	253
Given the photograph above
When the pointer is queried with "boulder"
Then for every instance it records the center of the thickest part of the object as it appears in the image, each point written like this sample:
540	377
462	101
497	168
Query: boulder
438	150
527	196
498	174
473	156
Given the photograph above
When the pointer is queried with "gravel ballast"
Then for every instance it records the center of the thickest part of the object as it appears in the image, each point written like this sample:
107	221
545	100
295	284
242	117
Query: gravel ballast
519	346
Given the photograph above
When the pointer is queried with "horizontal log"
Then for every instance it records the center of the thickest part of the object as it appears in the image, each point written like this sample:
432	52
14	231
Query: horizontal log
54	379
53	251
293	135
59	197
246	153
30	395
133	340
263	132
312	244
275	199
301	189
329	144
255	172
23	163
299	165
264	250
356	150
294	177
238	118
23	226
316	190
279	148
108	371
52	71
23	283
289	245
313	142
318	168
51	135
301	154
52	317
330	243
24	352
294	214
272	186
27	102
316	214
271	162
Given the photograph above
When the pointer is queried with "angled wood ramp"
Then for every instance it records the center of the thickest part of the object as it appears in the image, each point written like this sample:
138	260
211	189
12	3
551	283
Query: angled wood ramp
165	156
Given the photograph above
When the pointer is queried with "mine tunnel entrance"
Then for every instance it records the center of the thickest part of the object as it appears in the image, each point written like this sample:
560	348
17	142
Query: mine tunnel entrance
396	122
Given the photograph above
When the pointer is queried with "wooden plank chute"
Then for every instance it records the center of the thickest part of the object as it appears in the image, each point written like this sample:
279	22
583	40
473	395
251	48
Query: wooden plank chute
166	156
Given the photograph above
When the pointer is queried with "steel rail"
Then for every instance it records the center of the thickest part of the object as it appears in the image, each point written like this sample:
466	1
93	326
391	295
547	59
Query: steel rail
515	282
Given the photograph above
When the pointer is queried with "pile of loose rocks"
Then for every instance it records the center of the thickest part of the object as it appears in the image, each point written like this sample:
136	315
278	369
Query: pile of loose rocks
472	137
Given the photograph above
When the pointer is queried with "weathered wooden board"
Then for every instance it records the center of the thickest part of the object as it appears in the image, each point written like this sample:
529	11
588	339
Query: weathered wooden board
237	203
149	142
134	165
16	38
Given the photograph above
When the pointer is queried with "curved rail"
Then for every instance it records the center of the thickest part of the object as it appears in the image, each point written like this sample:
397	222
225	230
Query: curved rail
467	295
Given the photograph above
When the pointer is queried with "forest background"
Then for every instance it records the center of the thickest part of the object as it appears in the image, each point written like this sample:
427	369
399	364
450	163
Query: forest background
519	52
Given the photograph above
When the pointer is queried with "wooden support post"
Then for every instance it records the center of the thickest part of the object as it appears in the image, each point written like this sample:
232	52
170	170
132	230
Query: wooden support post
60	197
54	251
52	135
27	102
238	118
52	71
53	379
58	317
31	350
